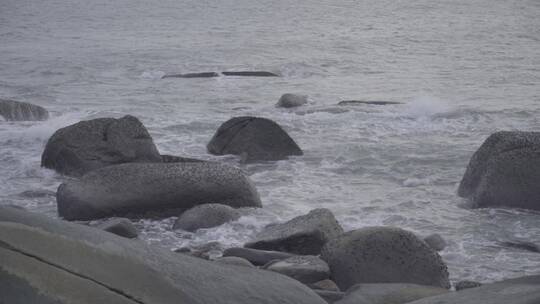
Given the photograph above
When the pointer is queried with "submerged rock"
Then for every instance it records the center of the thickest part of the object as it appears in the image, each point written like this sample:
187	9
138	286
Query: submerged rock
92	144
304	234
205	216
136	188
12	110
251	73
383	255
304	268
256	139
257	257
522	245
367	102
119	226
466	285
291	100
389	293
192	75
505	171
435	241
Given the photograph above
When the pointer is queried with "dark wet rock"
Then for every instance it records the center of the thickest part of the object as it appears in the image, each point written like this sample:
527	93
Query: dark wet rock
524	290
435	241
136	188
254	138
367	102
12	110
192	75
521	245
119	226
92	144
304	234
178	159
383	255
251	73
325	285
505	171
206	216
304	268
330	296
466	285
257	257
389	293
51	261
231	260
291	100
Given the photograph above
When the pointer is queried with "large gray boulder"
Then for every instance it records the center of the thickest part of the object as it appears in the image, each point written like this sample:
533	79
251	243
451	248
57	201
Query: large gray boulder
305	234
254	138
383	255
137	188
92	144
291	100
505	171
12	110
389	293
304	268
206	216
50	261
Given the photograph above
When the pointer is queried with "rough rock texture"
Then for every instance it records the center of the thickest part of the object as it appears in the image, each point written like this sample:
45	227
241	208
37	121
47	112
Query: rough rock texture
367	102
435	241
92	144
119	226
231	260
389	293
466	285
255	139
383	255
136	188
257	257
12	110
50	261
291	100
251	73
304	234
205	216
304	268
524	290
505	171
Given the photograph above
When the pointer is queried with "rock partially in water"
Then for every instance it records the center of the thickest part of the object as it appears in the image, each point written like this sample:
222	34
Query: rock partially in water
257	257
205	216
367	102
136	188
389	293
521	245
383	255
12	110
291	100
505	171
435	241
254	138
304	234
466	285
251	73
51	261
92	144
231	260
119	226
304	268
192	75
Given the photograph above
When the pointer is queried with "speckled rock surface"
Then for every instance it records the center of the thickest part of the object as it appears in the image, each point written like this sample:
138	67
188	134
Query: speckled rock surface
304	268
12	110
383	255
205	216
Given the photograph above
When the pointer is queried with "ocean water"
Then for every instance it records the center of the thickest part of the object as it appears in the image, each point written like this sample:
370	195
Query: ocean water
463	69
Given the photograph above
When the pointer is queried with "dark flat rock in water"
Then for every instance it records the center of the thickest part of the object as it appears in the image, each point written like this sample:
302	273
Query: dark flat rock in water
12	110
367	102
44	260
192	75
257	257
461	285
389	293
522	245
251	74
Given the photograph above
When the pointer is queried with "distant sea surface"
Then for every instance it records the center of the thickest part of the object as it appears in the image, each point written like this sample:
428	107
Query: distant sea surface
463	69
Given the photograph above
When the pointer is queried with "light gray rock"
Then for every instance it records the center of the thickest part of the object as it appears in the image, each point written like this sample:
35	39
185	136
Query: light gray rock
12	110
135	188
291	100
92	144
304	234
466	285
505	171
257	257
119	226
330	296
304	268
435	241
389	293
231	260
206	216
383	255
256	139
51	261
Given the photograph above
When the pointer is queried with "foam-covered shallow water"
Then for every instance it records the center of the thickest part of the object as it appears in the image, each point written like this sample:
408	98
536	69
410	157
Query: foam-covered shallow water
463	69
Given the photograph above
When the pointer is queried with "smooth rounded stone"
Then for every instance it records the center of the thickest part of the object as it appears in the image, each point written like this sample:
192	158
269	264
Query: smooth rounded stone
257	257
304	268
504	171
291	100
254	138
206	216
119	226
367	102
231	260
250	73
192	75
330	296
42	256
12	110
178	159
524	290
325	285
389	293
305	234
435	241
136	188
383	255
466	285
92	144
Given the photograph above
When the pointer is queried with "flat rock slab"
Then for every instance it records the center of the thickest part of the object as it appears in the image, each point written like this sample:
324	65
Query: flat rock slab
206	216
137	188
304	268
389	293
257	257
12	110
192	75
304	234
119	226
367	102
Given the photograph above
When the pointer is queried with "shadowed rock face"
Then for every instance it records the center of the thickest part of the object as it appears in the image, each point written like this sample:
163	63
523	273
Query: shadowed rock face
44	260
192	75
12	110
137	188
92	144
255	139
505	171
251	74
383	255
